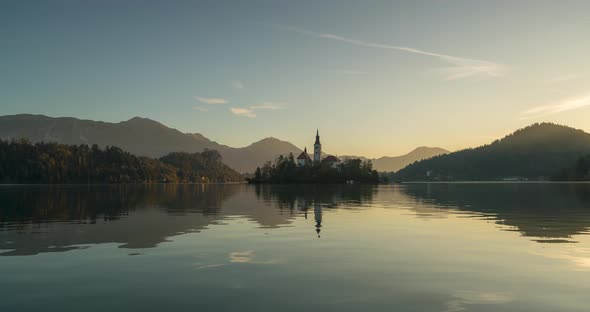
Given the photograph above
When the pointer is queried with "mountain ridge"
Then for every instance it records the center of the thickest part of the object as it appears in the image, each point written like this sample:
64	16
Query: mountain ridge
535	152
395	163
147	137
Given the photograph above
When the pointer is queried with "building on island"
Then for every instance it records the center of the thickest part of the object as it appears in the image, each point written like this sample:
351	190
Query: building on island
333	161
303	159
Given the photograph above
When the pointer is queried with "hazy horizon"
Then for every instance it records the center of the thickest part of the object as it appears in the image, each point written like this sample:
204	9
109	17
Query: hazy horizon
377	80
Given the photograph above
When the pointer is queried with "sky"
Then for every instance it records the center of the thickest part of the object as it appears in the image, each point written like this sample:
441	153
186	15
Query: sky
376	77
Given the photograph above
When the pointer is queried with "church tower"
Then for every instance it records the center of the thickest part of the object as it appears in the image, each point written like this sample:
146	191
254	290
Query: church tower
317	149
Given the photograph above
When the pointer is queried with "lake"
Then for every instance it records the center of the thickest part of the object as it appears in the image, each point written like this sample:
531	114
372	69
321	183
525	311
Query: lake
409	247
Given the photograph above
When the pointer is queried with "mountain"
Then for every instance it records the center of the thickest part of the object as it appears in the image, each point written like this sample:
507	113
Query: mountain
23	162
146	137
536	152
139	136
395	163
248	158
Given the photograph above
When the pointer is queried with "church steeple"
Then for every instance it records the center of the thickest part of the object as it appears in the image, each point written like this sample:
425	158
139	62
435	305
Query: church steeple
317	137
317	148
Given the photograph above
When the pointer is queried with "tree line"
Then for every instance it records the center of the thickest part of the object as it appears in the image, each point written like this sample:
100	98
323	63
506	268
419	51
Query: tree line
579	171
24	162
536	152
286	170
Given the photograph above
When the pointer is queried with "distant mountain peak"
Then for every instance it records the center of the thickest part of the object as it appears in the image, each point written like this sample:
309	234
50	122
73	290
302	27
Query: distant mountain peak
143	121
269	140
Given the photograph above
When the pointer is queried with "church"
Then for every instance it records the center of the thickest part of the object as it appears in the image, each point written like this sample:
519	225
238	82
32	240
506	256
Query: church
303	159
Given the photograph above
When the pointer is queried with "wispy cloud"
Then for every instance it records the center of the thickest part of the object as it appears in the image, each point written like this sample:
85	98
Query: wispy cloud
250	110
461	67
236	84
564	78
206	100
200	108
562	106
269	105
240	111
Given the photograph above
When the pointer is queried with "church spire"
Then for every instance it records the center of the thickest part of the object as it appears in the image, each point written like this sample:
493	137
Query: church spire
317	148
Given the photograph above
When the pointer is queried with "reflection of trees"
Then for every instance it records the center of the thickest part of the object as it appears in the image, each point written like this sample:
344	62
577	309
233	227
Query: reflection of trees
306	197
538	210
303	196
38	204
44	218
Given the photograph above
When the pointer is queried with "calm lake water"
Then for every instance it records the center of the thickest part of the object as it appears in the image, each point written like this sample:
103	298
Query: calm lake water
411	247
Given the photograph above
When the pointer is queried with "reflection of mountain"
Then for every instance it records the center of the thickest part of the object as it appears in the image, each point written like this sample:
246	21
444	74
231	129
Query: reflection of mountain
36	219
547	212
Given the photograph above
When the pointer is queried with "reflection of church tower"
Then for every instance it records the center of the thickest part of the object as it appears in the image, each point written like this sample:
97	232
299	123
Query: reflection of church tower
317	148
317	211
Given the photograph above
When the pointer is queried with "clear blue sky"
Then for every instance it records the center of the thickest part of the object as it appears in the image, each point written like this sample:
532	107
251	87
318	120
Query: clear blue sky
377	77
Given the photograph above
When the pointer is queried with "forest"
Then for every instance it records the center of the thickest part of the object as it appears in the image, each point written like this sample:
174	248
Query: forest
24	162
579	171
537	152
286	170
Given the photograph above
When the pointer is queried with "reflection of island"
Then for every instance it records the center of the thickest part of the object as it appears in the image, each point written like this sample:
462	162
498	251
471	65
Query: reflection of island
548	212
317	213
305	196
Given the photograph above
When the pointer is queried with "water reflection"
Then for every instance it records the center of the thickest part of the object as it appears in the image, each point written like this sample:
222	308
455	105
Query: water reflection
304	197
38	219
546	212
35	219
418	247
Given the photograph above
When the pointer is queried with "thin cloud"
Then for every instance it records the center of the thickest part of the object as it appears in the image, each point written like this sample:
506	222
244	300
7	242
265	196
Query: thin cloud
565	78
269	105
563	106
250	110
462	67
200	108
240	111
211	101
236	84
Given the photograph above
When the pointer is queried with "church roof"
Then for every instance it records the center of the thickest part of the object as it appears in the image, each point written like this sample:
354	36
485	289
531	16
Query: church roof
303	155
332	158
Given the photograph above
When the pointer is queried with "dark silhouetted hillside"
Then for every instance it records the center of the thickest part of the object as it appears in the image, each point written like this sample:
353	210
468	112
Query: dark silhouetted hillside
536	152
139	136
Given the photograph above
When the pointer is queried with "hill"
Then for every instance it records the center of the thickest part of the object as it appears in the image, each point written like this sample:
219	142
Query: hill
146	137
536	152
23	162
396	163
139	136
